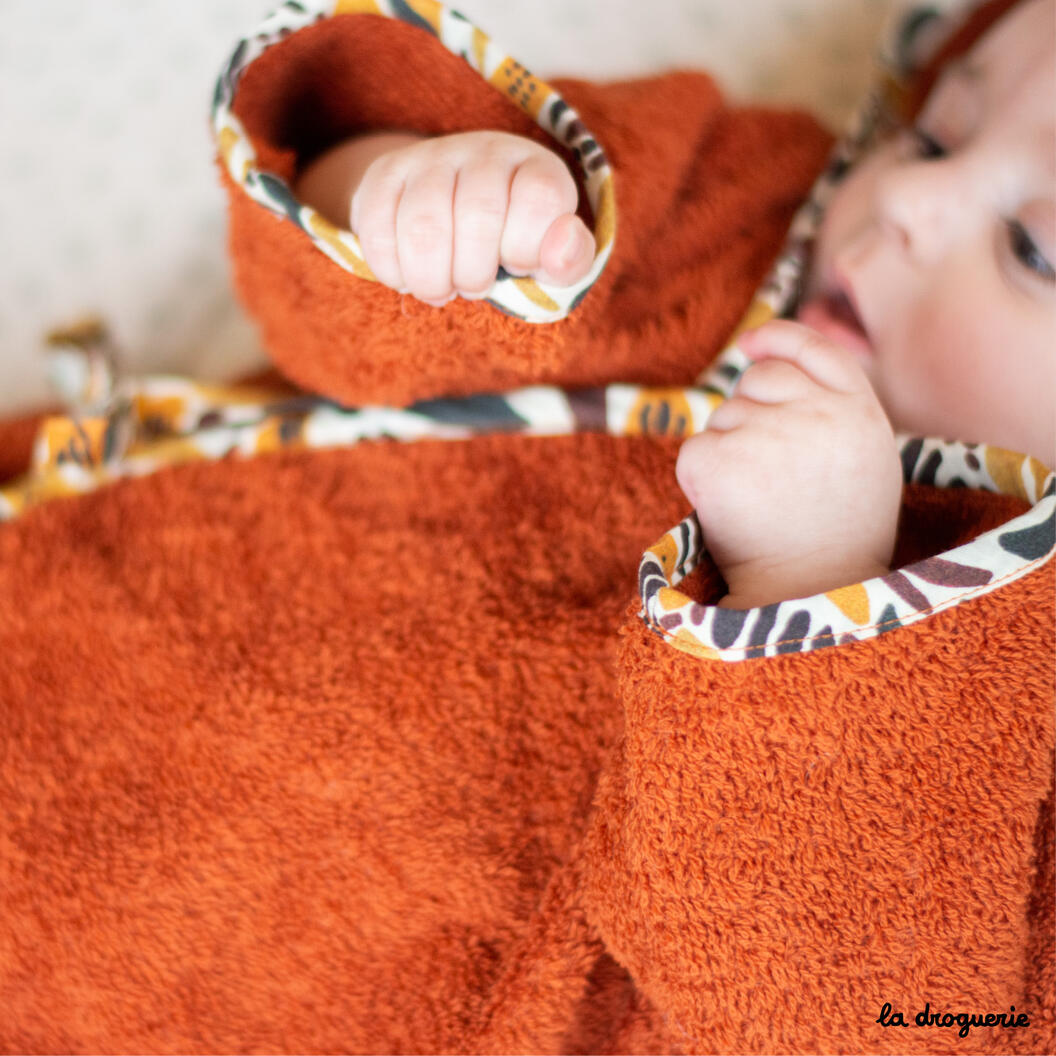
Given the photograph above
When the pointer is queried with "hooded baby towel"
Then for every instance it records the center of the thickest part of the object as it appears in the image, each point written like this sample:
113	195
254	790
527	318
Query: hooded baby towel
333	720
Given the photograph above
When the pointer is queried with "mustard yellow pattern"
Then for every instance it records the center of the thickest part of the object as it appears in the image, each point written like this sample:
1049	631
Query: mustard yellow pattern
852	601
665	412
535	293
605	221
526	90
328	233
430	10
666	551
759	312
357	7
1013	474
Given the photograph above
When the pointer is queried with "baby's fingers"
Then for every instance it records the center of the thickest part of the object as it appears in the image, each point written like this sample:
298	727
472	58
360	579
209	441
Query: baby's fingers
481	200
542	191
829	364
424	232
775	381
374	208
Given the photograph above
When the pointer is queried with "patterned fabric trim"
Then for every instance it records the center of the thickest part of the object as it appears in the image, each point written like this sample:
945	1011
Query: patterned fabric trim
524	298
912	35
864	610
146	424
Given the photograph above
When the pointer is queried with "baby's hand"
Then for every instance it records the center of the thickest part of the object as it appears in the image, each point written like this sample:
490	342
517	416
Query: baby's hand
796	480
436	218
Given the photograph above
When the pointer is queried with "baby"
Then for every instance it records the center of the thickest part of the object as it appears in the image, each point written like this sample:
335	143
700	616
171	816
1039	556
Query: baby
929	306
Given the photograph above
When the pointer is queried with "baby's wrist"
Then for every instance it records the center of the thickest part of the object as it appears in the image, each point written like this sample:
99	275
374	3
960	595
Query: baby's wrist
329	183
751	588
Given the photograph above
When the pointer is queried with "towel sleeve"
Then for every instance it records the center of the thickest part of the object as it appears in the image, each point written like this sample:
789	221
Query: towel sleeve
701	195
782	847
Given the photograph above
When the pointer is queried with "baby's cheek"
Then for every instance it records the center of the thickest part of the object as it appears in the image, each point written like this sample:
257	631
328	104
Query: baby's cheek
944	374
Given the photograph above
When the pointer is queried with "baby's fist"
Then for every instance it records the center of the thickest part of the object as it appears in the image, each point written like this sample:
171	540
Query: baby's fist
796	480
436	218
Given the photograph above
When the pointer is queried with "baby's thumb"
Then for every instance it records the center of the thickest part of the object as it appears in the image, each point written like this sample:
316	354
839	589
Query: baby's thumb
567	251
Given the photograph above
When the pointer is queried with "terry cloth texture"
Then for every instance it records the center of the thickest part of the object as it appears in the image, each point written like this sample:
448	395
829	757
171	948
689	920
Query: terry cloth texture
298	748
299	752
831	834
368	749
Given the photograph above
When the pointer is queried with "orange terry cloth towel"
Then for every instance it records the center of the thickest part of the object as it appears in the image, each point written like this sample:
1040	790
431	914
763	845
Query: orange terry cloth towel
313	743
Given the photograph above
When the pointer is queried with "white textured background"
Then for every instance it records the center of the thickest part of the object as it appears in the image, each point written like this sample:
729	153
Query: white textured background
110	202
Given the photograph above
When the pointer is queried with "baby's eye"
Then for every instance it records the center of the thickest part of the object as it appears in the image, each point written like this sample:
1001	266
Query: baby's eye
927	146
1027	253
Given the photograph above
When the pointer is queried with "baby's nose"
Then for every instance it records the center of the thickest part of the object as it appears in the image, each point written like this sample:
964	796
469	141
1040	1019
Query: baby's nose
927	204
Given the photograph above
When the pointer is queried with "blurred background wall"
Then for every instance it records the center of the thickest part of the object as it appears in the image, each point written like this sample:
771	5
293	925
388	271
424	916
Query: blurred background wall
110	201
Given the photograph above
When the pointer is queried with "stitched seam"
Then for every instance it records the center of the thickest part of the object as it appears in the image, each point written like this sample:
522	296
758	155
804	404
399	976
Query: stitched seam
706	650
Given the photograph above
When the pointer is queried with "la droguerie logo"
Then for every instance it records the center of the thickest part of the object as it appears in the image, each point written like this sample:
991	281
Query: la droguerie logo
964	1020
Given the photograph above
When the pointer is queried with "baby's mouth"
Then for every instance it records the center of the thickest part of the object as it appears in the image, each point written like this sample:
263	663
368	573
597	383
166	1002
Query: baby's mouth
833	315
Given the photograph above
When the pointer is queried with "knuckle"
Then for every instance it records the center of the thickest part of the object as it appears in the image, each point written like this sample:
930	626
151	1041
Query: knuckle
478	280
480	228
693	449
377	242
493	144
382	179
694	464
813	346
733	408
774	329
483	210
811	338
424	232
540	192
762	370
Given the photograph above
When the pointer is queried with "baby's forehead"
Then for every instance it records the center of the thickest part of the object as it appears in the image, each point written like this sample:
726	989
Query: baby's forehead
1023	22
1006	82
1019	48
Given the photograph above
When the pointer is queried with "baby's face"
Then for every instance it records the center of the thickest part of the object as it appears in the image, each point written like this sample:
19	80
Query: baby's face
944	242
